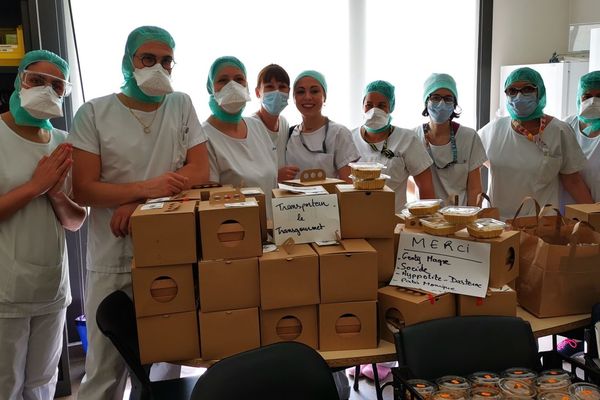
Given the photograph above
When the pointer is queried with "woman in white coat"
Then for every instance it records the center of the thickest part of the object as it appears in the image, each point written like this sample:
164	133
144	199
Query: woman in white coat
34	211
530	152
318	142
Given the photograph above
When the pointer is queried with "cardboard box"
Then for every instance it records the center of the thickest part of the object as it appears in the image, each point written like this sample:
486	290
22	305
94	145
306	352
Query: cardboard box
327	183
348	326
397	231
228	284
229	232
289	277
164	233
386	258
163	289
257	194
400	307
585	212
501	301
366	213
168	337
348	271
224	333
299	324
504	256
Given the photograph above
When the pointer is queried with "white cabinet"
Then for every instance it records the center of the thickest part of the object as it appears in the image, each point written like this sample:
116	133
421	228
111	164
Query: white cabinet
561	81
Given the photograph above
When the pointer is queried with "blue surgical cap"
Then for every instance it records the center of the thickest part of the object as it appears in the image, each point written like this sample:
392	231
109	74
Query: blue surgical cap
526	74
439	81
315	75
383	87
217	65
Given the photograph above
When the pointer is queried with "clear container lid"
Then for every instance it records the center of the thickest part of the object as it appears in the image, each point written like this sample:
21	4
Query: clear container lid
382	176
516	388
584	391
423	203
485	378
367	166
520	373
557	373
463	211
453	382
487	224
436	221
447	395
482	392
423	386
555	396
551	382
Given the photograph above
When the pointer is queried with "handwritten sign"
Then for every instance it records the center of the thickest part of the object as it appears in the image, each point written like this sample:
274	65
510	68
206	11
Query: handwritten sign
305	218
442	264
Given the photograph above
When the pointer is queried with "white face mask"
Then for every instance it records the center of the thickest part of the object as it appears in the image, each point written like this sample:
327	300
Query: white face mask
590	108
376	118
41	102
232	97
154	80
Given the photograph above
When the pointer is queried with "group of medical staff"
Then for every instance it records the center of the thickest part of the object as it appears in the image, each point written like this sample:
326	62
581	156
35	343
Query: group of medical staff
147	141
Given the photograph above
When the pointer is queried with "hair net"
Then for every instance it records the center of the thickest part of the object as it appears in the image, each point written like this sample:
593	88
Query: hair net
315	75
22	117
383	87
217	65
527	74
587	82
439	81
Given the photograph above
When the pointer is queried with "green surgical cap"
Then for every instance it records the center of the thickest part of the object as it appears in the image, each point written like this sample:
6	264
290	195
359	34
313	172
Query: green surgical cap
315	75
383	87
439	81
217	65
589	81
138	37
529	75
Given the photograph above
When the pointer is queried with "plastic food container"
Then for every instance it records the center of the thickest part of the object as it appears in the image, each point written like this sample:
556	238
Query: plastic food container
483	392
437	225
485	228
366	170
369	184
454	383
423	207
552	383
555	396
460	214
447	395
484	378
584	391
523	374
516	389
423	387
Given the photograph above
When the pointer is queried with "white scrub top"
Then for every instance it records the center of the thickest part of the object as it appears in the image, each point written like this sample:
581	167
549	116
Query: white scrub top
34	274
251	161
338	143
410	158
519	168
591	171
105	127
279	138
452	180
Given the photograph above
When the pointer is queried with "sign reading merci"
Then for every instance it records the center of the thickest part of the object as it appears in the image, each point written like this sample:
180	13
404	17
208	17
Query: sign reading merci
305	219
441	264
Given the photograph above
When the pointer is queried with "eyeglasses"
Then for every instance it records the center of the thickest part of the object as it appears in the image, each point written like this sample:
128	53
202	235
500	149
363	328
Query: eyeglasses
436	98
512	91
150	60
34	79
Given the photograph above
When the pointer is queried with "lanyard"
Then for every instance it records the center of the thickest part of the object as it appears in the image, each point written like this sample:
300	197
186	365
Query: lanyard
324	149
387	153
537	138
426	129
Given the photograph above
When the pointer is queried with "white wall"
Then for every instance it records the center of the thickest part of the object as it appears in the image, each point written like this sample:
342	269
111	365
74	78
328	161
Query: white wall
528	32
584	11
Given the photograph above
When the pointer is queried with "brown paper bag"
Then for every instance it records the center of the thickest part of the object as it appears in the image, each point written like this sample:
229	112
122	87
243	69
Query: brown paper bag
489	212
558	279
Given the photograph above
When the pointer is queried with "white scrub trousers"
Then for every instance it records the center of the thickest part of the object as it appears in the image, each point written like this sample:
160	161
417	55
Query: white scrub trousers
105	370
30	351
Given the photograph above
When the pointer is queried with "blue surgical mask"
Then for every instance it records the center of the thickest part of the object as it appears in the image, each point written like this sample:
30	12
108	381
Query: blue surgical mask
440	112
274	102
522	105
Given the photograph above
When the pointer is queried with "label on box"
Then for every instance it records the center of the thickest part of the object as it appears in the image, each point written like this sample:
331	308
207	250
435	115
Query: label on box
306	219
307	190
152	206
247	203
326	242
158	200
250	191
441	264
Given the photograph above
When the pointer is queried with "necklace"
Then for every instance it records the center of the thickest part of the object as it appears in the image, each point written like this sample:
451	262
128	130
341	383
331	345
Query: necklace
426	129
523	131
147	129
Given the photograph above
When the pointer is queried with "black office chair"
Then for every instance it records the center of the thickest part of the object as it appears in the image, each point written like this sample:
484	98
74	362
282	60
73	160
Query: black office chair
116	319
280	371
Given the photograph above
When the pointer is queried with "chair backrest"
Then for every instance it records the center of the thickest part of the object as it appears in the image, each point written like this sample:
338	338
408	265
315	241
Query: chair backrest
285	370
116	320
463	345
